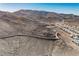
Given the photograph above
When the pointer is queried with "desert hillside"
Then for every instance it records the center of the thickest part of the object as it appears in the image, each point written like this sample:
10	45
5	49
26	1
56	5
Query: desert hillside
29	32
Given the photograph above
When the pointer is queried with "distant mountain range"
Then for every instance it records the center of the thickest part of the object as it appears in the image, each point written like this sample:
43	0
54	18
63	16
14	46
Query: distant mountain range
45	16
39	15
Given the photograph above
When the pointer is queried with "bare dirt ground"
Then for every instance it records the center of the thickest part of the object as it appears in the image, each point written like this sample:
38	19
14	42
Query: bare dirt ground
27	46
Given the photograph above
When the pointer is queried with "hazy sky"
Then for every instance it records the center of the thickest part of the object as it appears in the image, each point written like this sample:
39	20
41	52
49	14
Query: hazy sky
68	8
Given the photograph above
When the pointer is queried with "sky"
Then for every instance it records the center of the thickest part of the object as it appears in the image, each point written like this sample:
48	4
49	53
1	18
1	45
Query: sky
66	8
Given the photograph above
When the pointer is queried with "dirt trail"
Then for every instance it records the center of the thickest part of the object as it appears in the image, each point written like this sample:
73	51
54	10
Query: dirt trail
65	46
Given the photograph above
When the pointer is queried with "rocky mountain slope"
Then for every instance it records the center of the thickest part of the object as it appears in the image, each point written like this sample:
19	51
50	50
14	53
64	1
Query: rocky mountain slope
23	33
